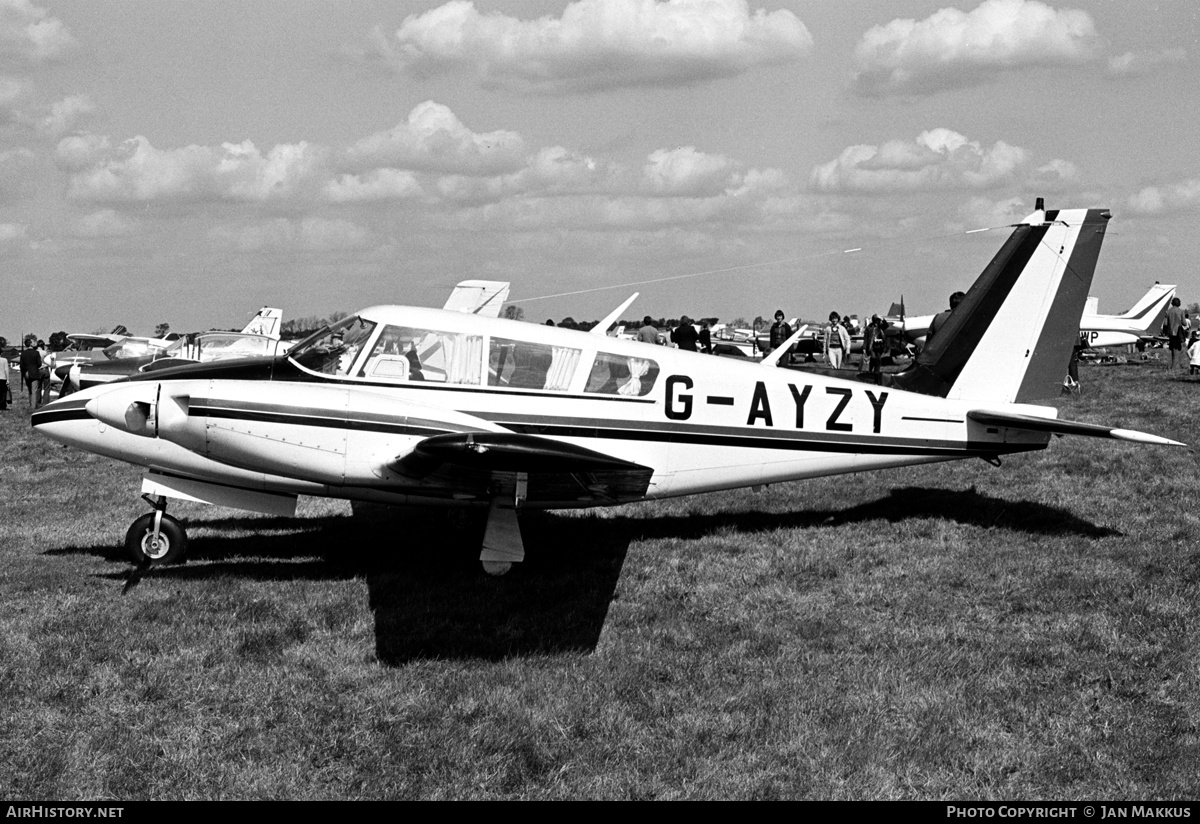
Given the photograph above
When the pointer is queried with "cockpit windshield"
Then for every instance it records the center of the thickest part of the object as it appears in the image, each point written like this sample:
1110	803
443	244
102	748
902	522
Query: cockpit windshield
334	351
133	348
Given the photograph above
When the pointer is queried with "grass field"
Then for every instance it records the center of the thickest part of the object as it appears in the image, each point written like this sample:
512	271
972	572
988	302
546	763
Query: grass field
954	631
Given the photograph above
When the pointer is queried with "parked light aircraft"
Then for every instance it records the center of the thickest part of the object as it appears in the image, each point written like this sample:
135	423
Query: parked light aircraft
409	405
259	337
1142	321
131	345
1095	330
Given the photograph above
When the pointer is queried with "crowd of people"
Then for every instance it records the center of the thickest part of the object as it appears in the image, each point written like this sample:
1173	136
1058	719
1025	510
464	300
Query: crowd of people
35	365
836	336
37	361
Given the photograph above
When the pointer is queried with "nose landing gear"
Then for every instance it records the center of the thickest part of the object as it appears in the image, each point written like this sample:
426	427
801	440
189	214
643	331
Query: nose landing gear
156	538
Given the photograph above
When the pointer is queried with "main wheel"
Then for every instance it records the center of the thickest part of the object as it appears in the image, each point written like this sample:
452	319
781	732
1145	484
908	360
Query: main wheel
496	568
141	546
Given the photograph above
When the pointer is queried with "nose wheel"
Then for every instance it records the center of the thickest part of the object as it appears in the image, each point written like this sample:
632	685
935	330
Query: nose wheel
156	537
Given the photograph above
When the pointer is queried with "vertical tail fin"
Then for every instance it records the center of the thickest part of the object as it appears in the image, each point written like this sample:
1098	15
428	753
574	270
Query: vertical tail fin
1011	337
478	297
1152	307
265	323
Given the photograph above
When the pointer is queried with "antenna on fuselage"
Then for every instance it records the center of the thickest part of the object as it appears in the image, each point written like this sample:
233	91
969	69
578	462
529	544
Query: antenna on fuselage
612	317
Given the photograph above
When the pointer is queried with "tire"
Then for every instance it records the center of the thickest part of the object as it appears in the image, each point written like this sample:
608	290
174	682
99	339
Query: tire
171	536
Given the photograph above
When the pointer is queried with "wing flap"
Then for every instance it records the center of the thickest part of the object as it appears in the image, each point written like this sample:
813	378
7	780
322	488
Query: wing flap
1033	423
475	463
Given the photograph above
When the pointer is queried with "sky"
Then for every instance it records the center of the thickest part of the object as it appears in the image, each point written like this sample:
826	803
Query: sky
190	162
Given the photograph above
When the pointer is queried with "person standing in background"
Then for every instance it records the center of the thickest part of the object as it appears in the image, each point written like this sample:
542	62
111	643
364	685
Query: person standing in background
837	341
31	364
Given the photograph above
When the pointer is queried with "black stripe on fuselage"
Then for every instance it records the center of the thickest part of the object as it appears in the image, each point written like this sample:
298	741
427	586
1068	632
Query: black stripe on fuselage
607	429
62	410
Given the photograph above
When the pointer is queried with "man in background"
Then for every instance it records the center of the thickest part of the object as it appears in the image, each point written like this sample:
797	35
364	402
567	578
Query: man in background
684	335
649	332
31	365
1176	328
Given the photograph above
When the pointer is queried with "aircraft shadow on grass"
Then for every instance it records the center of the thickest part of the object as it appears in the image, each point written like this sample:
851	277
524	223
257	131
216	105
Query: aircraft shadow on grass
431	601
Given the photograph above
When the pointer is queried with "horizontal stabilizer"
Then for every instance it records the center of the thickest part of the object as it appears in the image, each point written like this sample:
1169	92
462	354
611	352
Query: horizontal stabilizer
1034	423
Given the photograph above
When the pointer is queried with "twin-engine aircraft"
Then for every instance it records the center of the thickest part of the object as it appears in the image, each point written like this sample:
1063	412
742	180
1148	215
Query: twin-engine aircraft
408	405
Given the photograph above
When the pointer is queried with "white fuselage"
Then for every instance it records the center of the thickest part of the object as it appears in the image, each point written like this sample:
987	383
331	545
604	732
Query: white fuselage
701	423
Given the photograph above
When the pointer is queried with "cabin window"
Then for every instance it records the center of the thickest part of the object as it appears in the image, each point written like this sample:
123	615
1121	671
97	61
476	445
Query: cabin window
334	351
525	365
405	353
621	375
220	347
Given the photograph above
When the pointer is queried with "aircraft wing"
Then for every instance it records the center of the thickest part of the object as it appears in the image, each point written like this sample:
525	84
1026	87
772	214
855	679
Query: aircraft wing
1033	423
471	463
98	341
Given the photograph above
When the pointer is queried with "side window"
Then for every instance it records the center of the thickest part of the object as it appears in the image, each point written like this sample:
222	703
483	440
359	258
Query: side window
525	365
621	375
404	353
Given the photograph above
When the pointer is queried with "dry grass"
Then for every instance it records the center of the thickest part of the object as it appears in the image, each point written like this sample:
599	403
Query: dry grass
954	631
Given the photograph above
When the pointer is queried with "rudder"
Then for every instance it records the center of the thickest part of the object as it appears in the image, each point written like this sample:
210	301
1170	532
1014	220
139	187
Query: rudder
1011	337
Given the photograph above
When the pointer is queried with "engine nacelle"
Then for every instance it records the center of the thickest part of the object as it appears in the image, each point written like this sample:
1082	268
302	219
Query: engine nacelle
333	434
130	408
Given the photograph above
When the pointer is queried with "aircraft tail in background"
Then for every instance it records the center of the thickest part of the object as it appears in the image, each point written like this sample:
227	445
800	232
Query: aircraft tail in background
478	297
1010	340
1142	321
265	323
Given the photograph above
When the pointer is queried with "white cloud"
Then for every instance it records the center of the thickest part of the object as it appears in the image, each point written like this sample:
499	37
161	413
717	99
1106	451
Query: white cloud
1154	200
598	44
104	223
312	234
951	48
685	171
936	159
432	160
982	213
1136	64
434	139
13	92
376	185
1053	176
28	33
80	151
135	171
66	115
13	234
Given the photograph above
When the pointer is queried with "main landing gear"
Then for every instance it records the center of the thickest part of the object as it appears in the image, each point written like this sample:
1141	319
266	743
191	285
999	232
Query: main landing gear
156	538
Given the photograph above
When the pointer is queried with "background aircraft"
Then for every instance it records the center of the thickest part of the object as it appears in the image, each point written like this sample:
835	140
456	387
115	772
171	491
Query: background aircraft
478	297
1141	322
259	337
407	405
